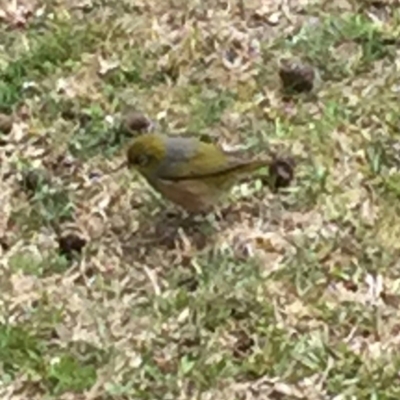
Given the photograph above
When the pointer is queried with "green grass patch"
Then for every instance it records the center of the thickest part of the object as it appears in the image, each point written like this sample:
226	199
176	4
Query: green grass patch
58	370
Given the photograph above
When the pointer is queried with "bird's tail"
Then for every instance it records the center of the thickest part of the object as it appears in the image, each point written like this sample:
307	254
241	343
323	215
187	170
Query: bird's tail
250	166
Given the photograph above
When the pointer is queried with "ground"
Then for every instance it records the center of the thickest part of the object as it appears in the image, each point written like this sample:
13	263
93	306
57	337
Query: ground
288	294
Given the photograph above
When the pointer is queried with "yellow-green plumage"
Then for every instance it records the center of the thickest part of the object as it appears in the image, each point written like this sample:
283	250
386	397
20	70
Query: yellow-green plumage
188	171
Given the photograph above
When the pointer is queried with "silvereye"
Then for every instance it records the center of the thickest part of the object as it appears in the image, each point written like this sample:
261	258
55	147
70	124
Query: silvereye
187	171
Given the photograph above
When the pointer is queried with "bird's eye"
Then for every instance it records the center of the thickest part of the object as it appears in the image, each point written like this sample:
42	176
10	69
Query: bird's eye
142	160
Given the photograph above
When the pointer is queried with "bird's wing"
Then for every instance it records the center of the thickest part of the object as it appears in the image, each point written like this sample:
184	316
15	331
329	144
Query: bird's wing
198	169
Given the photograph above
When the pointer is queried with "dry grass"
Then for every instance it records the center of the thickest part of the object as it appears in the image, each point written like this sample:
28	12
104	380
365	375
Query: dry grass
290	295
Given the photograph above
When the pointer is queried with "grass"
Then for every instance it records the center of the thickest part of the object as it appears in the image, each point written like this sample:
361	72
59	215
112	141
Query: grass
292	294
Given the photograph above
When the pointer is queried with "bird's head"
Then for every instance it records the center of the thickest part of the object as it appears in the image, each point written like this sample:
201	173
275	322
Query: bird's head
146	154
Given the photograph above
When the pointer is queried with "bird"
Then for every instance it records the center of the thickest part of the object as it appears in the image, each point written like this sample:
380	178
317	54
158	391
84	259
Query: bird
187	171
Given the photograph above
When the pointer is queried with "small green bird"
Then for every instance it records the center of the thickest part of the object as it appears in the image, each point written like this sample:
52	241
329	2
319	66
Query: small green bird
187	171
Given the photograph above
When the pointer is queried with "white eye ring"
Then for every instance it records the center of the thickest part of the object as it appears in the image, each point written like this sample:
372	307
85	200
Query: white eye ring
142	160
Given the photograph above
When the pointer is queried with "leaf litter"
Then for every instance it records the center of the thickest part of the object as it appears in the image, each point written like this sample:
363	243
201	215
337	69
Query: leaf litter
311	267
